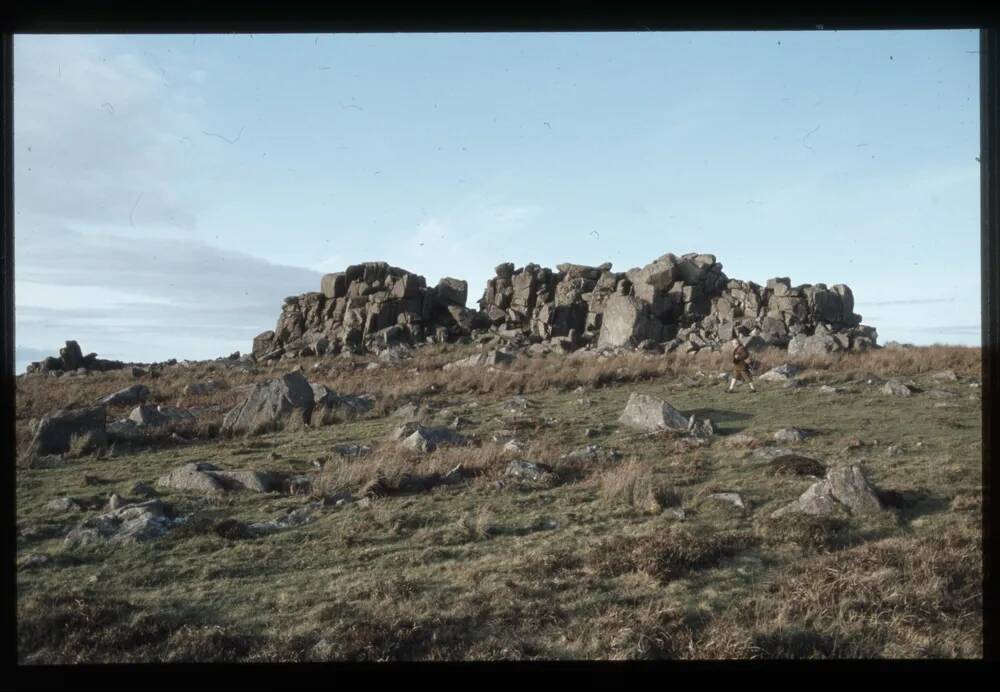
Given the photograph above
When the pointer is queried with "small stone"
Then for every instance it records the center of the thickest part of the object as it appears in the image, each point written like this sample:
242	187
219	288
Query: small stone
896	388
63	504
733	499
527	470
790	435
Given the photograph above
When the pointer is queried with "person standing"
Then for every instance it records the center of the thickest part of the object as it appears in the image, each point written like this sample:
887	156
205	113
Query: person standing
741	367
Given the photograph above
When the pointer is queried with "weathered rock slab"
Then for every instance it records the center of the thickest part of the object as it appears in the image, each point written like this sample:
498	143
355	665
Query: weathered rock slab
271	406
649	414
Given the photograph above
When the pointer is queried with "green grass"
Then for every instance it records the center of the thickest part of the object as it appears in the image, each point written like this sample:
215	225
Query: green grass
475	571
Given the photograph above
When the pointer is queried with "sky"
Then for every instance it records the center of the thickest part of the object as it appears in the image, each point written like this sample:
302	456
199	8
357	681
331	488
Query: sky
171	190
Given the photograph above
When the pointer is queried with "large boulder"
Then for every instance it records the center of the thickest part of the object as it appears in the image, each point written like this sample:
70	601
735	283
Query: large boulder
643	412
814	345
849	485
625	322
57	430
271	406
452	291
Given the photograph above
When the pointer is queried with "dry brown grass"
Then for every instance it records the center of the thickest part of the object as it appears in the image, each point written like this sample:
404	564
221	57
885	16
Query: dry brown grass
669	554
897	597
392	463
636	484
812	534
488	571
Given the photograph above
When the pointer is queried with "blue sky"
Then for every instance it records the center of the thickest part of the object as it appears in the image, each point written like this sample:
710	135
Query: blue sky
171	190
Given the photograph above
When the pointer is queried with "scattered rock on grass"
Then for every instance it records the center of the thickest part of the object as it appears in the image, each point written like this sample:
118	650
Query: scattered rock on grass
790	435
649	414
945	376
895	388
63	504
206	478
135	394
741	440
128	524
844	490
351	451
528	470
734	499
426	440
781	373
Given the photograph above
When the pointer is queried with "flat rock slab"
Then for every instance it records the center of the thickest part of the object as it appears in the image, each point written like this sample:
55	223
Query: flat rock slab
481	360
128	524
154	416
135	394
734	499
206	478
649	414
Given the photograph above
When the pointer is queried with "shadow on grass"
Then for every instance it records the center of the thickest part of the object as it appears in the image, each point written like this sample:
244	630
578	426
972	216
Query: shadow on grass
717	415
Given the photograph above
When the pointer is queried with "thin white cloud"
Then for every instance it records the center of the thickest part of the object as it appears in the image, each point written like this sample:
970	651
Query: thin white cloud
99	136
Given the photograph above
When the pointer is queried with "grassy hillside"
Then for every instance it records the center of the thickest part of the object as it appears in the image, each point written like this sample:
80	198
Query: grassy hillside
612	557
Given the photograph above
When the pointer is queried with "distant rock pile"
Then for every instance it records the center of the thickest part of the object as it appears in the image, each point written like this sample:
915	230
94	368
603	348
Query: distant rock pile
71	359
368	307
683	304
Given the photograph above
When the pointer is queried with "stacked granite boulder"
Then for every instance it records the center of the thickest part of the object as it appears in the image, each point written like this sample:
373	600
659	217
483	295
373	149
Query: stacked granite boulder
684	303
71	359
681	303
367	307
